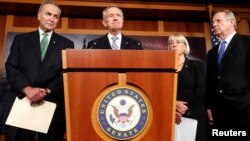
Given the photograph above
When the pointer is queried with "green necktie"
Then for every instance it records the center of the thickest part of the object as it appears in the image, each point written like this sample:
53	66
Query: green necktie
44	45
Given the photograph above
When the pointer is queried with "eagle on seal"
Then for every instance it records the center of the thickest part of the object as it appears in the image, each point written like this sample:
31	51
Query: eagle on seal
123	116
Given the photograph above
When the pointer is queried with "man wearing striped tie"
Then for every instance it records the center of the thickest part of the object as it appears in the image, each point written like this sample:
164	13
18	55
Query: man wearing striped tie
113	20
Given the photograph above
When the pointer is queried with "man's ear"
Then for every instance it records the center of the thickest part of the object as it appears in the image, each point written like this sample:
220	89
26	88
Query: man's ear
38	15
104	23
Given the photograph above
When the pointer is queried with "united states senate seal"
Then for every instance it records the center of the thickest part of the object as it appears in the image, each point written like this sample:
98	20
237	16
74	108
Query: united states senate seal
123	112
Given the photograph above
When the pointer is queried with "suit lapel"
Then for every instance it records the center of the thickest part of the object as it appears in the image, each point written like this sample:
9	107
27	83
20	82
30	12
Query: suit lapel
35	39
229	49
106	43
124	42
214	54
213	58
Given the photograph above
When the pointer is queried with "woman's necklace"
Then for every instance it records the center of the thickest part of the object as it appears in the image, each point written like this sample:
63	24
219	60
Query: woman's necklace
181	61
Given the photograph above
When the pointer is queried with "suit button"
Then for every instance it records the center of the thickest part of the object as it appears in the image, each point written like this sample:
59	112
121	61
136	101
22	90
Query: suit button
220	91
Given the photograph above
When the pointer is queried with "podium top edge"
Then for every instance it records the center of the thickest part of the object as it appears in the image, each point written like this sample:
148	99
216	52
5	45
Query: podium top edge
121	59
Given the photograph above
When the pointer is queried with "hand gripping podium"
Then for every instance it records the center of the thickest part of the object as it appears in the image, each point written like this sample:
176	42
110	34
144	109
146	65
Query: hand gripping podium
120	94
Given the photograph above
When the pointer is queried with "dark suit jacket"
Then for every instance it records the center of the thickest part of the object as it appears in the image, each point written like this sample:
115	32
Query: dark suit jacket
192	89
192	86
24	67
103	43
228	85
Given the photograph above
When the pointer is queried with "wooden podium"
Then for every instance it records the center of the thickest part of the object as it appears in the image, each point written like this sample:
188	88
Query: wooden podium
87	73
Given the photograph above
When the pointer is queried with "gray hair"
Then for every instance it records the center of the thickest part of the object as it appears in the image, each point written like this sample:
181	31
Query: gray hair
229	16
104	13
49	2
182	39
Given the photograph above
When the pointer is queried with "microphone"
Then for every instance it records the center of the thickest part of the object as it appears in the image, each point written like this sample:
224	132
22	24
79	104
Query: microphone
138	44
93	45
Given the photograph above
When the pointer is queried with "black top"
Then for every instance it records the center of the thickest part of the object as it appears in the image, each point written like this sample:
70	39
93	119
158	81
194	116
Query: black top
192	88
191	85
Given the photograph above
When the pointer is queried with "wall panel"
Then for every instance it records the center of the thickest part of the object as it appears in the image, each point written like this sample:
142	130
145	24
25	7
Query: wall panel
77	23
141	25
184	27
2	35
25	21
28	21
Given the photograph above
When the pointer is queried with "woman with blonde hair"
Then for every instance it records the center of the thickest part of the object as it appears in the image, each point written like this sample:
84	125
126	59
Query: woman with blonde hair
191	86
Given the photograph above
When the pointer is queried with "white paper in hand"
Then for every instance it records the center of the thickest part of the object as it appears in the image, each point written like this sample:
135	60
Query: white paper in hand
186	130
36	118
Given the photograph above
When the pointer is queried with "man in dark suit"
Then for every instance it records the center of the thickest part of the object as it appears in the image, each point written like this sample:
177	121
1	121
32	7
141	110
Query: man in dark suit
37	73
228	75
113	20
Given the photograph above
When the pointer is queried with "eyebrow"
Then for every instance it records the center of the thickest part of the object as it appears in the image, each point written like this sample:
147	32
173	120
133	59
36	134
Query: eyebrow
49	13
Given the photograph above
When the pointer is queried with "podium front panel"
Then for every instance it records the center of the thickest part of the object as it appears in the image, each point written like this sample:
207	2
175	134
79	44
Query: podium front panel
87	73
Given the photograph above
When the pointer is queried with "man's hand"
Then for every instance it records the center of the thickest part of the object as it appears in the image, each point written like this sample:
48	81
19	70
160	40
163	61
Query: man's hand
35	95
210	117
181	107
178	116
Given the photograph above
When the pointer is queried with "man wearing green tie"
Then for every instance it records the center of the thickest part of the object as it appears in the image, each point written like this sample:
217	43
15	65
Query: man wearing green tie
44	44
34	70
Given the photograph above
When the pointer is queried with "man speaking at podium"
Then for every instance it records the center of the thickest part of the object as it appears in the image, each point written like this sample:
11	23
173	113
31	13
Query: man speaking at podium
113	20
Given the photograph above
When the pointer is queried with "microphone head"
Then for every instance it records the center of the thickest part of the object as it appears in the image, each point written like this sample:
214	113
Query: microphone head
138	44
93	45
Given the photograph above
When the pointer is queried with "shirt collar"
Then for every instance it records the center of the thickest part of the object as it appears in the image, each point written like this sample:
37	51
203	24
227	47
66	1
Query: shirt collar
118	35
41	32
229	38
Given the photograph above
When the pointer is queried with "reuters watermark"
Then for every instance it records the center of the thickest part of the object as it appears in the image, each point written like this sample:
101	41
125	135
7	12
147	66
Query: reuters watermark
228	133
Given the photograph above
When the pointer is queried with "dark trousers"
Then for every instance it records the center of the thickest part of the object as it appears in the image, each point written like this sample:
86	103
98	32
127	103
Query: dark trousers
229	118
55	133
